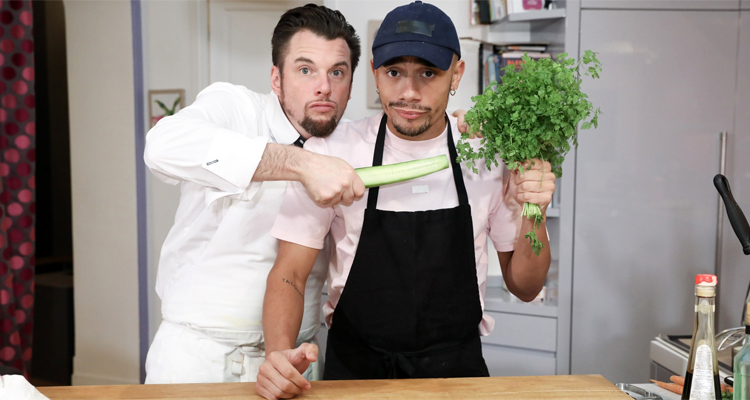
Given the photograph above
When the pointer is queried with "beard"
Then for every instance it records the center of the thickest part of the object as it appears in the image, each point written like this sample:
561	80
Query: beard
318	128
315	127
412	131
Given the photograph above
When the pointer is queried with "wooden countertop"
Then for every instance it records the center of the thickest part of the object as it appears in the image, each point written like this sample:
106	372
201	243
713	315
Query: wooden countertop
563	387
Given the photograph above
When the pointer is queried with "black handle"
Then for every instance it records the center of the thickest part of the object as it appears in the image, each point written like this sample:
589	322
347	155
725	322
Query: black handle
736	217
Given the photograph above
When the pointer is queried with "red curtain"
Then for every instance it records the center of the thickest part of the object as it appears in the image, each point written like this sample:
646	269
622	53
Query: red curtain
17	186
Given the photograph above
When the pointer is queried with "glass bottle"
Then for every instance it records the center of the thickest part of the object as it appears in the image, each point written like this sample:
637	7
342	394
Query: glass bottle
702	375
742	363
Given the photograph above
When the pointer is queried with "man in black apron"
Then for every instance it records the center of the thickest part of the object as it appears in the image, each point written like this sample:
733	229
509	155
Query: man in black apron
411	303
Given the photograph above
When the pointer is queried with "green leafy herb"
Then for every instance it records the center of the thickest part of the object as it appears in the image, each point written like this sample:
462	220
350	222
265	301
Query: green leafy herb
534	113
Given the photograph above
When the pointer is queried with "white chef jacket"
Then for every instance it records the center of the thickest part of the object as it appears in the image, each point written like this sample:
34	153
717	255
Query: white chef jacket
215	261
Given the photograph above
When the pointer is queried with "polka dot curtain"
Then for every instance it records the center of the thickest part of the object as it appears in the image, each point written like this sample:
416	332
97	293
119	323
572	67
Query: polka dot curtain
17	154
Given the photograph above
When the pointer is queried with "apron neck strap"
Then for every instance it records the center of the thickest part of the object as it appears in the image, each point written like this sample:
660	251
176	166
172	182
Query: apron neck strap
458	177
377	159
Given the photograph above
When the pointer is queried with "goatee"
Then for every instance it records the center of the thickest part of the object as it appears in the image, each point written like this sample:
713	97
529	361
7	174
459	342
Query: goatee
317	128
412	131
314	127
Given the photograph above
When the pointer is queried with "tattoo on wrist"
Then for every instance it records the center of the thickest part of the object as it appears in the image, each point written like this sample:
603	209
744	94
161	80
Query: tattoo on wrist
287	281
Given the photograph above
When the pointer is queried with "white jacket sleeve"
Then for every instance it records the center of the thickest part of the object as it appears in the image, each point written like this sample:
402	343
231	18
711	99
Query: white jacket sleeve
215	142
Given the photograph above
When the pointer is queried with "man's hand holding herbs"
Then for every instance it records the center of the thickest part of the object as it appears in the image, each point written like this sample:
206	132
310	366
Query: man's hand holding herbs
533	182
532	186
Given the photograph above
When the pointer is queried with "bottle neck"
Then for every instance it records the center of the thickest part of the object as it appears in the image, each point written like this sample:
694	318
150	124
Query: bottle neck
704	315
705	291
705	301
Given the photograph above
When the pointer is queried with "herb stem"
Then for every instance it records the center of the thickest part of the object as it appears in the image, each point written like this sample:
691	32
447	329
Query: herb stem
533	212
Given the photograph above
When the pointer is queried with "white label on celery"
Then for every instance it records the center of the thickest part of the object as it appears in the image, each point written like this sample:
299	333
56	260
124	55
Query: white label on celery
702	387
417	189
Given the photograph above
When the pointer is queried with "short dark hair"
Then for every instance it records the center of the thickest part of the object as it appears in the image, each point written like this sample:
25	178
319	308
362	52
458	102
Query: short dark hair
319	20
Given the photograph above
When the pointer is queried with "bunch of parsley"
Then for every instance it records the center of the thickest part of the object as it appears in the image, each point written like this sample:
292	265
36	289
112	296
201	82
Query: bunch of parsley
534	113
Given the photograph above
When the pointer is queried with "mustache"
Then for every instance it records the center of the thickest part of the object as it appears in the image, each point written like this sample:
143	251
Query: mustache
403	104
323	100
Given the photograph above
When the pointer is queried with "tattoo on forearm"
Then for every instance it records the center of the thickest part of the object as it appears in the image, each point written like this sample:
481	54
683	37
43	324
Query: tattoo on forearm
287	281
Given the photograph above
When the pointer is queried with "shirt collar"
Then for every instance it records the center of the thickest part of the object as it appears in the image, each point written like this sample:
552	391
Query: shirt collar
281	130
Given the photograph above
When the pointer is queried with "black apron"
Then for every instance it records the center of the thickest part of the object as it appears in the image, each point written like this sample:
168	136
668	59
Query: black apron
410	307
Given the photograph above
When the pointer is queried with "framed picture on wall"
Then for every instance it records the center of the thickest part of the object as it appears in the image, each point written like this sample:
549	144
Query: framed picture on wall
163	103
373	99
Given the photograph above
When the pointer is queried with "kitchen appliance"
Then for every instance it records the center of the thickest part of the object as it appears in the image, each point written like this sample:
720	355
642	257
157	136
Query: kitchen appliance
736	217
729	337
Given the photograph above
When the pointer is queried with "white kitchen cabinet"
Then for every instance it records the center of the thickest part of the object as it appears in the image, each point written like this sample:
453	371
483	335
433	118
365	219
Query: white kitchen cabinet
521	344
524	331
512	361
662	4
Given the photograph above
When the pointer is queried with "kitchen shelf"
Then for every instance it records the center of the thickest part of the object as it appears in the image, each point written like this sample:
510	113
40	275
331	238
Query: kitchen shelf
499	300
538	15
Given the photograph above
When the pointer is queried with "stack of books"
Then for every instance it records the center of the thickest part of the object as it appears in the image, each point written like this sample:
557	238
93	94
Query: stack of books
497	56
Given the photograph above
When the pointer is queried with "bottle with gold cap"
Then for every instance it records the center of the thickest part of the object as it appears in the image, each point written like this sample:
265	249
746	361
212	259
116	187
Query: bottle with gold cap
742	362
702	375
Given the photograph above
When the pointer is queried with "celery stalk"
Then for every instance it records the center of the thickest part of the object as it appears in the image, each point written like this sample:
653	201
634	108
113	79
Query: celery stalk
392	173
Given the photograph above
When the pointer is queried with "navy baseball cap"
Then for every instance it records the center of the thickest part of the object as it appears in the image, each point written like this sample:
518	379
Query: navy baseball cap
419	30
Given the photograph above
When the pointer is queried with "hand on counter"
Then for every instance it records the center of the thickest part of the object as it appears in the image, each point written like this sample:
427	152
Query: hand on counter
280	376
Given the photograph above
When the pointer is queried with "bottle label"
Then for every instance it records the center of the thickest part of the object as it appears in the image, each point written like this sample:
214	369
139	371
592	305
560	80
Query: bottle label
703	375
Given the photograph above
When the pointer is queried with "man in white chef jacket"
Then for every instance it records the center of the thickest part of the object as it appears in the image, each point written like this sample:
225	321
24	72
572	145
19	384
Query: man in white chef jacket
231	152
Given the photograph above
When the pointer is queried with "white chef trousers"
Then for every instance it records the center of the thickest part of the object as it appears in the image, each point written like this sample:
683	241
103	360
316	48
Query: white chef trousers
181	354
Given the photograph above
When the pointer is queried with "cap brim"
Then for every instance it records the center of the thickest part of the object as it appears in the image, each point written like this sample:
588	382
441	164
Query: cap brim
441	56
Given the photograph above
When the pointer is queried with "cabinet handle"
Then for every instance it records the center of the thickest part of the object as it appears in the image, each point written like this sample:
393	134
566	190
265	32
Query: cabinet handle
720	214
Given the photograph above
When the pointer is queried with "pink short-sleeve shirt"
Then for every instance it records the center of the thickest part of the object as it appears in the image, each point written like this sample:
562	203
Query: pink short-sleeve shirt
495	214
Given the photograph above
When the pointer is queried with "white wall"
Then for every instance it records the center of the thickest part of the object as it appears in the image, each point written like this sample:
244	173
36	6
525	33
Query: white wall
103	185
